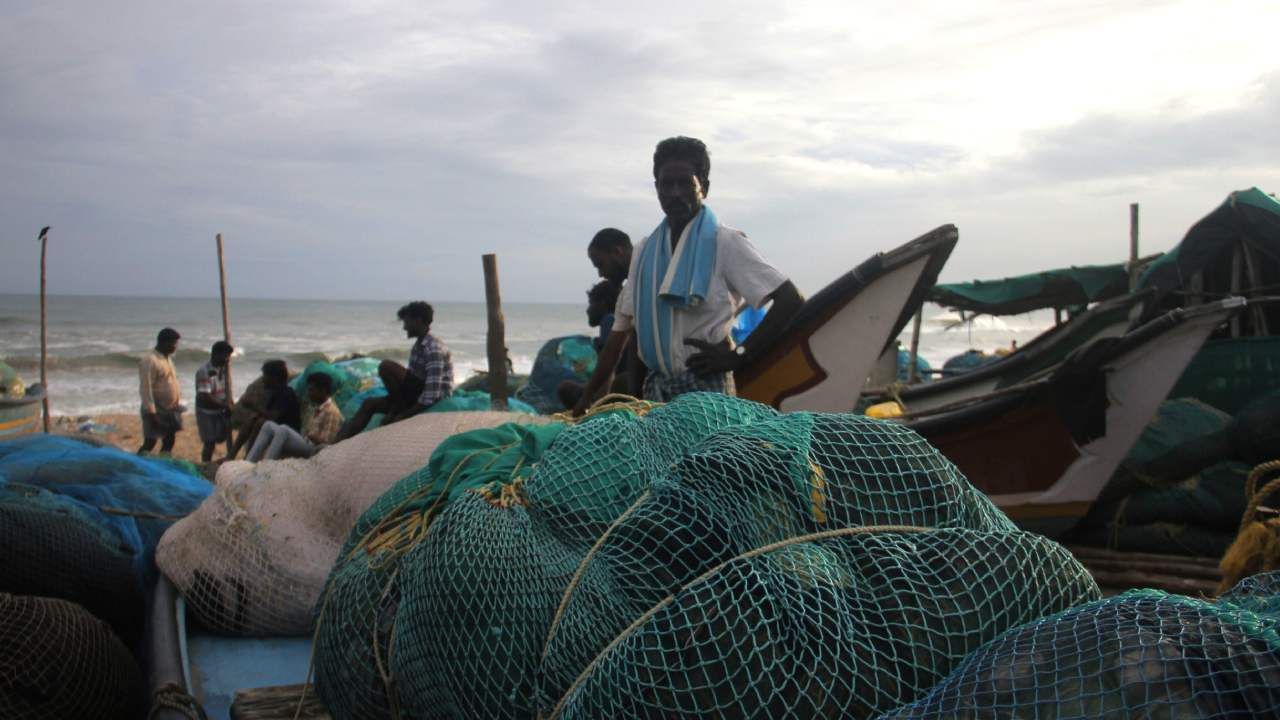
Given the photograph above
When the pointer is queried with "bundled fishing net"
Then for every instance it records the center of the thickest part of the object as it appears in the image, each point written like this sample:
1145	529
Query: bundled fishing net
133	498
52	548
572	357
362	595
749	487
58	662
479	590
1142	654
253	558
831	627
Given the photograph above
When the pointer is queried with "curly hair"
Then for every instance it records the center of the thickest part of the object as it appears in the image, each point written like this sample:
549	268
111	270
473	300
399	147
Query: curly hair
692	150
417	309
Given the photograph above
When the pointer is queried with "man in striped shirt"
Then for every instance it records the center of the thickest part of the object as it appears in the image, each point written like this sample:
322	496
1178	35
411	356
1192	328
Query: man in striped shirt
411	390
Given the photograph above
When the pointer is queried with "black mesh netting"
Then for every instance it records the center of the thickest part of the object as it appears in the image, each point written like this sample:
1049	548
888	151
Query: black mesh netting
52	549
58	662
1143	654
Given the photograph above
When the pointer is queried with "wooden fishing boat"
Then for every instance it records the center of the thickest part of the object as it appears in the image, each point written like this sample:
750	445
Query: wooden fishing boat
223	675
1033	360
821	362
21	416
1043	450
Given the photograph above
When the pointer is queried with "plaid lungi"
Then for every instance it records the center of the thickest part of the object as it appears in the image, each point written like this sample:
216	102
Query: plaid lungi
663	388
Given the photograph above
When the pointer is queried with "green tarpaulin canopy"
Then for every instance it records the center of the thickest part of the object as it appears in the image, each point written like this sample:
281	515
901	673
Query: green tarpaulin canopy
1064	288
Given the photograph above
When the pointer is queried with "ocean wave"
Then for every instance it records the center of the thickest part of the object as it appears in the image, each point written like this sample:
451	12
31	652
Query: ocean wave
11	320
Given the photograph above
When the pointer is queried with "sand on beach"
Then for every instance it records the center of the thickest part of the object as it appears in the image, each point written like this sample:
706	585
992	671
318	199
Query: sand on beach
124	430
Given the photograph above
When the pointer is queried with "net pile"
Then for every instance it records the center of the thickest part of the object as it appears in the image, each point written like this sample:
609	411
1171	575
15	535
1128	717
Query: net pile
387	577
253	558
362	594
58	662
571	358
1142	654
807	566
516	593
53	549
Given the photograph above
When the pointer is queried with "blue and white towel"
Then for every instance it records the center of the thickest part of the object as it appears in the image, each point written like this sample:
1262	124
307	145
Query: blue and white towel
665	282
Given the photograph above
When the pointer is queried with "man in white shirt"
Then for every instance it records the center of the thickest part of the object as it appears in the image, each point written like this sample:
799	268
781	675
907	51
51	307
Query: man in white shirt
687	281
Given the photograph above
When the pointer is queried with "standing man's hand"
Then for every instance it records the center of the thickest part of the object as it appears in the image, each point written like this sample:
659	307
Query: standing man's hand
712	358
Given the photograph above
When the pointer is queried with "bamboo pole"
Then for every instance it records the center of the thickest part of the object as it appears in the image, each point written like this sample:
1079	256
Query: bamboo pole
226	330
497	345
44	329
1133	246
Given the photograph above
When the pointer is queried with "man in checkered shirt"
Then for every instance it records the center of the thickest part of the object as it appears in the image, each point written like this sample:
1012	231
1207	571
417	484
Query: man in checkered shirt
411	390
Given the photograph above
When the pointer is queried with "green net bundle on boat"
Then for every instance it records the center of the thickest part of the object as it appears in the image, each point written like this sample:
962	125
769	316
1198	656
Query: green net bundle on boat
773	482
362	594
1143	654
59	662
500	603
497	546
836	627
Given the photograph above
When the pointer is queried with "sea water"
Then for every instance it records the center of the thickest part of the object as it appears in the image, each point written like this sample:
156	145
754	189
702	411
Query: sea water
94	342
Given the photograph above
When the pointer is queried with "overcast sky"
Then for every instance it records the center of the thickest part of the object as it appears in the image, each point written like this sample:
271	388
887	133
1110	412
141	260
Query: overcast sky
376	149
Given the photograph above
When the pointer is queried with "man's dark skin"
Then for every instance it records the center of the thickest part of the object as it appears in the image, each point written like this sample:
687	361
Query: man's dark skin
681	194
611	263
204	400
414	328
272	385
166	348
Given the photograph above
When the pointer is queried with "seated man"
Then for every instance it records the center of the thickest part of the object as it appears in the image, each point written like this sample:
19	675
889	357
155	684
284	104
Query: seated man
267	398
411	390
276	440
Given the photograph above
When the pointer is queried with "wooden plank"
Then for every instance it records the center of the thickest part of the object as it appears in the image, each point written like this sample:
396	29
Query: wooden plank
44	329
226	332
1083	551
1187	570
279	702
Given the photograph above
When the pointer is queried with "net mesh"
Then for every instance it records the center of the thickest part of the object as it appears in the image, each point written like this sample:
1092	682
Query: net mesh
253	558
840	627
362	594
746	488
53	549
58	662
1142	654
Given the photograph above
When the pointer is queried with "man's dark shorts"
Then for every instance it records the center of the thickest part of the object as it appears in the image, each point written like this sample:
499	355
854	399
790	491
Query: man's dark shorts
161	425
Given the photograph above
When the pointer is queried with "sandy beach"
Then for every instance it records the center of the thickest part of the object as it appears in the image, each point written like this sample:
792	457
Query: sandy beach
124	430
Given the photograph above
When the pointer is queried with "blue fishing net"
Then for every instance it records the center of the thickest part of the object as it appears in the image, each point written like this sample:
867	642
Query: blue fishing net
133	498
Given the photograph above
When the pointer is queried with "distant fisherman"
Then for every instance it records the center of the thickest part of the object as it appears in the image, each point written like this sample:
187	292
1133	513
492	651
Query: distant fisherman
319	428
161	401
411	390
213	415
687	281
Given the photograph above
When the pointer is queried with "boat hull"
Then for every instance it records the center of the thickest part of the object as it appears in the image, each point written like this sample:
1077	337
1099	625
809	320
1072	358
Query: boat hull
20	417
822	360
1033	460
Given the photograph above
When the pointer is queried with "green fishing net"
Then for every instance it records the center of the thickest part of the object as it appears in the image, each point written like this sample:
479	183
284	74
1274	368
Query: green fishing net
362	594
1143	654
743	529
840	627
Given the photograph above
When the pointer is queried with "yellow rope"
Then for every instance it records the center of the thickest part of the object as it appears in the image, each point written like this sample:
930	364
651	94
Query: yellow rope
609	403
826	534
1255	495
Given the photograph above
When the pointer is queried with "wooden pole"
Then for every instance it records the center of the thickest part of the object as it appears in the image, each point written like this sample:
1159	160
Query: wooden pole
44	329
1133	246
226	330
915	345
497	343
